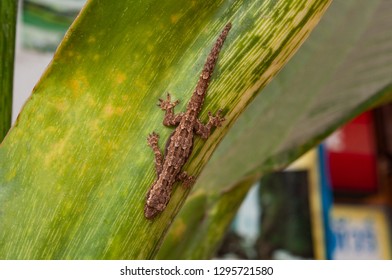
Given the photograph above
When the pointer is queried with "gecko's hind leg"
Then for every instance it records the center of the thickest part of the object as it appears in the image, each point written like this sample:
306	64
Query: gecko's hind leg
170	118
152	141
187	181
214	121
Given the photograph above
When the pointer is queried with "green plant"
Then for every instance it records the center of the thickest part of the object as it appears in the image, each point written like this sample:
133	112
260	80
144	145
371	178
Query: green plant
75	168
339	72
8	10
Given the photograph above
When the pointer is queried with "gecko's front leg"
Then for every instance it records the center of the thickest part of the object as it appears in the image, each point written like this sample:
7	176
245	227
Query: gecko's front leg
214	121
170	118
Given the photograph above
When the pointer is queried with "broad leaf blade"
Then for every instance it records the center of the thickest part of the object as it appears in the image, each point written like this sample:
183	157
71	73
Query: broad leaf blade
342	69
75	169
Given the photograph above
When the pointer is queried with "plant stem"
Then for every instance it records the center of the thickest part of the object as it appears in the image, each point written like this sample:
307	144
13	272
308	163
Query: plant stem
8	12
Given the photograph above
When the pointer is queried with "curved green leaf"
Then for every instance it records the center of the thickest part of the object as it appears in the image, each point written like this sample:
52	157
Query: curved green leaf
75	168
342	69
8	10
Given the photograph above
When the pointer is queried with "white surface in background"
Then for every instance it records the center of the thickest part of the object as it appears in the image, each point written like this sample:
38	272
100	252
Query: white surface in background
29	66
335	142
247	221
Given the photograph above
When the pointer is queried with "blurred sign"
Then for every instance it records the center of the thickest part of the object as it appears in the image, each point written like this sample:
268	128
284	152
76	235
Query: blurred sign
361	232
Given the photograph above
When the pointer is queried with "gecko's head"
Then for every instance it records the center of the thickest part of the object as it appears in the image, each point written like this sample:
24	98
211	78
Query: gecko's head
150	212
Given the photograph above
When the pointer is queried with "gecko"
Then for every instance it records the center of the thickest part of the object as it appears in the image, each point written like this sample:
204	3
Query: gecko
179	146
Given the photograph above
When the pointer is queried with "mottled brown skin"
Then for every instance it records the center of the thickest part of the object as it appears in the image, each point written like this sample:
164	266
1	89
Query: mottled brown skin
180	143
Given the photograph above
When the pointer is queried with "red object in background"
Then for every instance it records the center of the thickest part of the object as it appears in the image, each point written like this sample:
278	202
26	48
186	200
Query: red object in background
351	153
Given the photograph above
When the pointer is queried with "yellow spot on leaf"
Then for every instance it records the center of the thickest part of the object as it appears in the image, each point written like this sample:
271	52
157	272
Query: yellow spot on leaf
62	106
110	110
91	39
56	150
175	18
75	85
179	230
125	97
120	77
96	57
78	85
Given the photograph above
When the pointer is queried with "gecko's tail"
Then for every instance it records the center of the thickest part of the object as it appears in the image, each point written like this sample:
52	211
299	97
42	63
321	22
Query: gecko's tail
211	60
213	56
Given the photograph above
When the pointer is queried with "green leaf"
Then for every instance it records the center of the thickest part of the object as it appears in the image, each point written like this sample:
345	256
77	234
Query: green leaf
75	168
8	10
342	70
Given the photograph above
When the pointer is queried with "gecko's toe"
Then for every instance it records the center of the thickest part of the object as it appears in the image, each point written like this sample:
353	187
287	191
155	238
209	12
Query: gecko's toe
152	139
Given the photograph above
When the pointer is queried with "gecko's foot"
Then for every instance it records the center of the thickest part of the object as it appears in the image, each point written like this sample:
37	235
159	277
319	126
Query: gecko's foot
187	181
216	120
167	104
152	139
